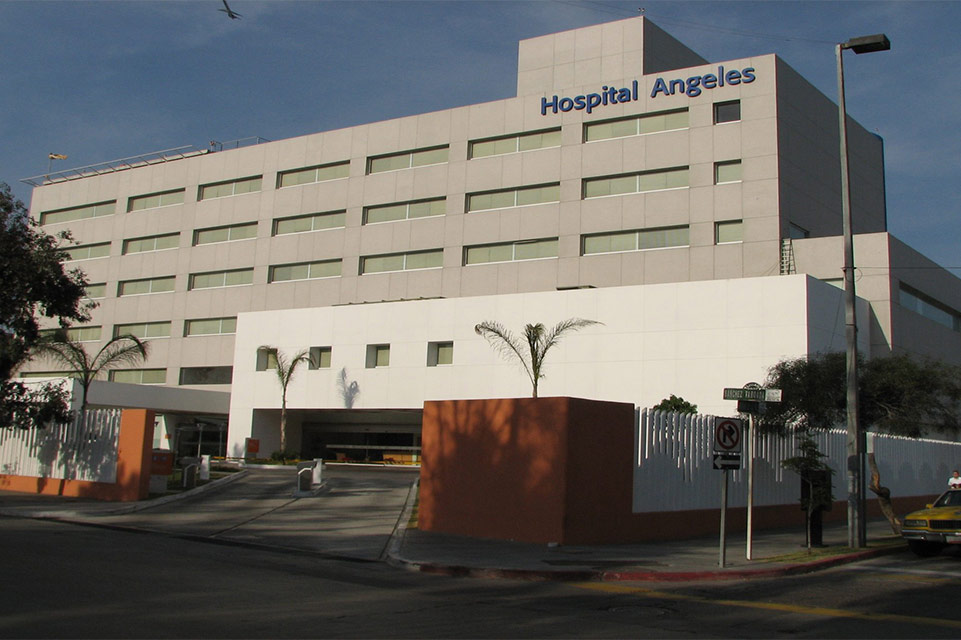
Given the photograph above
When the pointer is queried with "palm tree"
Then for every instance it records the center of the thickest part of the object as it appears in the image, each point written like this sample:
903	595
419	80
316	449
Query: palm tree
285	372
120	350
539	342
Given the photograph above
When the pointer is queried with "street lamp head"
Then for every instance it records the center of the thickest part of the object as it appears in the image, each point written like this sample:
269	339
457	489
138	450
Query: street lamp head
867	44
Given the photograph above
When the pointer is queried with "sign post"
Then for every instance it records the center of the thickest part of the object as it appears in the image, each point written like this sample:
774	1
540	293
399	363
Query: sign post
727	455
751	399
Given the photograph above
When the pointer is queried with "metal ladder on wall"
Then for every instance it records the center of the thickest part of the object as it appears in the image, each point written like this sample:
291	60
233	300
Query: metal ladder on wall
787	257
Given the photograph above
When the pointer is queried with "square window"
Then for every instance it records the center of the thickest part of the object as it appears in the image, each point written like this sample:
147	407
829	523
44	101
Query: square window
729	171
728	231
320	357
266	359
378	355
727	111
440	353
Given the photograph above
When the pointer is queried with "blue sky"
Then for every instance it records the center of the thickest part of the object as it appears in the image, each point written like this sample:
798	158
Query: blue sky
104	80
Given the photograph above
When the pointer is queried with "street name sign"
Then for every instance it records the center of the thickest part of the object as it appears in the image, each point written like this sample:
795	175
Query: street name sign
757	395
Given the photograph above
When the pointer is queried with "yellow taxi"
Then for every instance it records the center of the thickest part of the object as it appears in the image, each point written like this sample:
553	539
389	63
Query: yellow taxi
930	529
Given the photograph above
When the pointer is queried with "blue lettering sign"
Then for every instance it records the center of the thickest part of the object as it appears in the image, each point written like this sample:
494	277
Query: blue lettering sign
693	86
590	101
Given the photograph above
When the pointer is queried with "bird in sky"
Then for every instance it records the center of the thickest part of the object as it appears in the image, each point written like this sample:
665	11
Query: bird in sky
230	12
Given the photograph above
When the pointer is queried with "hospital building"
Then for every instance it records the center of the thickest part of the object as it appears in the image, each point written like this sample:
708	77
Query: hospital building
691	207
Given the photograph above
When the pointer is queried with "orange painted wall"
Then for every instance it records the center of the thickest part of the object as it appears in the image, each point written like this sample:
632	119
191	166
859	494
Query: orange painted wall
559	470
526	469
133	467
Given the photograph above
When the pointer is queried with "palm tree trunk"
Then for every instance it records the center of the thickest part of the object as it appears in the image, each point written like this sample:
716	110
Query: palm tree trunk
283	429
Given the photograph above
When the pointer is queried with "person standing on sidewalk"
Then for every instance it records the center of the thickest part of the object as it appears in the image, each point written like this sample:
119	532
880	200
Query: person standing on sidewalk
954	482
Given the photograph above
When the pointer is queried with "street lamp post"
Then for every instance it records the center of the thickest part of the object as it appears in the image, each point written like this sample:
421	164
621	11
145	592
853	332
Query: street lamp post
857	537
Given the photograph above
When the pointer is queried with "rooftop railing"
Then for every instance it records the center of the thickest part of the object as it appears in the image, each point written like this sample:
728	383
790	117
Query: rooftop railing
142	160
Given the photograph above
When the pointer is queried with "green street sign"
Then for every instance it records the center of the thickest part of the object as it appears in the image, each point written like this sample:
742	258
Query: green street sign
756	395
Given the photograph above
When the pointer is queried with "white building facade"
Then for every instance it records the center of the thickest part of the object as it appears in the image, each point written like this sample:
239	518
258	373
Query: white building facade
689	206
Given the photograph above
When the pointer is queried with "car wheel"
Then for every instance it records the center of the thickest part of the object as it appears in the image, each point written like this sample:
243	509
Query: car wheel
924	549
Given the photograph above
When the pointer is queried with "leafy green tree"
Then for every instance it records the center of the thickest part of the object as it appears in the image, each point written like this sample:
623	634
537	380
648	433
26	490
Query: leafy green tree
675	404
531	350
898	394
809	465
285	369
35	285
122	350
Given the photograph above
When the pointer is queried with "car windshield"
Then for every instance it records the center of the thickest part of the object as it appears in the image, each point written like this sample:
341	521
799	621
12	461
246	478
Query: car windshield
949	499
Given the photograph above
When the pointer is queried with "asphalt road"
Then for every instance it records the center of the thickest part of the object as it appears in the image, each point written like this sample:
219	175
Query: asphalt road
63	580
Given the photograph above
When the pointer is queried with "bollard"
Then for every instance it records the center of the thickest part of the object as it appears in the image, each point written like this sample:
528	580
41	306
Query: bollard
205	467
190	476
318	471
304	478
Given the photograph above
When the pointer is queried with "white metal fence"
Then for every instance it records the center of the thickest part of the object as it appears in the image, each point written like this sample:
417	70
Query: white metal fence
675	465
79	450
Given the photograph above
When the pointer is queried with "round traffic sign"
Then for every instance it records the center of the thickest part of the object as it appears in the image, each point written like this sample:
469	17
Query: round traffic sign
727	435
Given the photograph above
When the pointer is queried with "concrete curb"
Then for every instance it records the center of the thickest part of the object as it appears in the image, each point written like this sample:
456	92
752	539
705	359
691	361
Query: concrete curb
131	507
587	575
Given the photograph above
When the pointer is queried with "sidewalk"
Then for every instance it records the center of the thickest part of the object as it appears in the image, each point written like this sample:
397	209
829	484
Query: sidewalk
362	516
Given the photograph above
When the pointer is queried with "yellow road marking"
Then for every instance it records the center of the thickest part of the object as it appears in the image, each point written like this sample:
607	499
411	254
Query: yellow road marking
770	606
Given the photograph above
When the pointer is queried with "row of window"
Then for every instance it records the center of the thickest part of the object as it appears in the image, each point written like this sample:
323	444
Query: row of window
150	330
727	231
640	182
377	356
635	182
601	130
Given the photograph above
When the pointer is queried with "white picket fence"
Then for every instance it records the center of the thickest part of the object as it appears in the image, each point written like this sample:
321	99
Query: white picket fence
79	450
675	465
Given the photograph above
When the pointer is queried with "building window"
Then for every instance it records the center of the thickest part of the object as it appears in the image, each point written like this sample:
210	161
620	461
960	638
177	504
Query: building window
206	375
519	197
728	171
795	232
405	210
151	243
138	376
143	330
213	279
513	144
440	353
229	188
210	326
320	357
920	303
636	125
511	251
402	261
148	285
79	213
657	180
225	234
407	159
76	334
304	271
93	291
728	231
727	111
308	175
311	222
640	240
266	359
31	375
154	200
87	251
378	355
